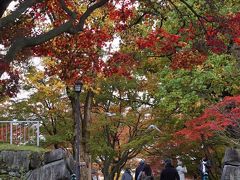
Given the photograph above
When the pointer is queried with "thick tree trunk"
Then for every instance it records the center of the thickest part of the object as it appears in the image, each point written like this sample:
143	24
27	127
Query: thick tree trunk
109	176
106	168
118	174
86	170
85	157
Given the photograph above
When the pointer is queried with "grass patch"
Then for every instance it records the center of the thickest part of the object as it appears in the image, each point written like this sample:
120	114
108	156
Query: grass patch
12	147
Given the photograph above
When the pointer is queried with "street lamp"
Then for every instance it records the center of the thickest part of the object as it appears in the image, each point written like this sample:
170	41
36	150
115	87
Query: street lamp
78	88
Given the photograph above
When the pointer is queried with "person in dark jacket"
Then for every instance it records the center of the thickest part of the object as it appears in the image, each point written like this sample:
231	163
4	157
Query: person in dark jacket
139	168
127	175
169	173
147	170
146	173
204	168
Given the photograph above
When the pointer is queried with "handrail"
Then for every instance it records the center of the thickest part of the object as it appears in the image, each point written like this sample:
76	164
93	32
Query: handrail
17	121
19	132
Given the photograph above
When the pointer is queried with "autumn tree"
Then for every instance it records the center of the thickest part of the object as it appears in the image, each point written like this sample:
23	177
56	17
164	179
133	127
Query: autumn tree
121	118
218	120
47	103
69	17
182	94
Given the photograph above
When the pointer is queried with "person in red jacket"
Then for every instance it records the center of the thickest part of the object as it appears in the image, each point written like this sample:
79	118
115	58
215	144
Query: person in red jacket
169	173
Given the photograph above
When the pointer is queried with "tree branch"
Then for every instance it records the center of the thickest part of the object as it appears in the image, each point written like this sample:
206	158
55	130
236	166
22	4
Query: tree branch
88	12
3	6
15	14
138	20
72	14
23	42
199	17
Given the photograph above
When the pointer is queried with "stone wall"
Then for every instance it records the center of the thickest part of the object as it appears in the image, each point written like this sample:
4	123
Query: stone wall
231	168
54	165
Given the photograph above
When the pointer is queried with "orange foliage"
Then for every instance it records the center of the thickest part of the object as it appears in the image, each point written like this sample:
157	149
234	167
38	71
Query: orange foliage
187	59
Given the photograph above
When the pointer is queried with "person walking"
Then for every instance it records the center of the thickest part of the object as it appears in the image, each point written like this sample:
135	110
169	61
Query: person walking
139	168
147	170
204	168
182	170
127	175
169	172
146	173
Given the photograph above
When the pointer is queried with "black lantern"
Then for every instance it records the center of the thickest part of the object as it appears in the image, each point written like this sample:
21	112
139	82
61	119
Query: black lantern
78	86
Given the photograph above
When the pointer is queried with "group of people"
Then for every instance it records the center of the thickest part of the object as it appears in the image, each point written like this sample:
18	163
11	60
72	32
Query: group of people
171	173
144	172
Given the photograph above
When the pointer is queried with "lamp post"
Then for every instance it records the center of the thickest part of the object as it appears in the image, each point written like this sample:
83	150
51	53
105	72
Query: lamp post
78	87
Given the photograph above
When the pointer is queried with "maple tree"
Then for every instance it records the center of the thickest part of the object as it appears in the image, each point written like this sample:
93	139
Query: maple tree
83	59
67	18
217	126
222	117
